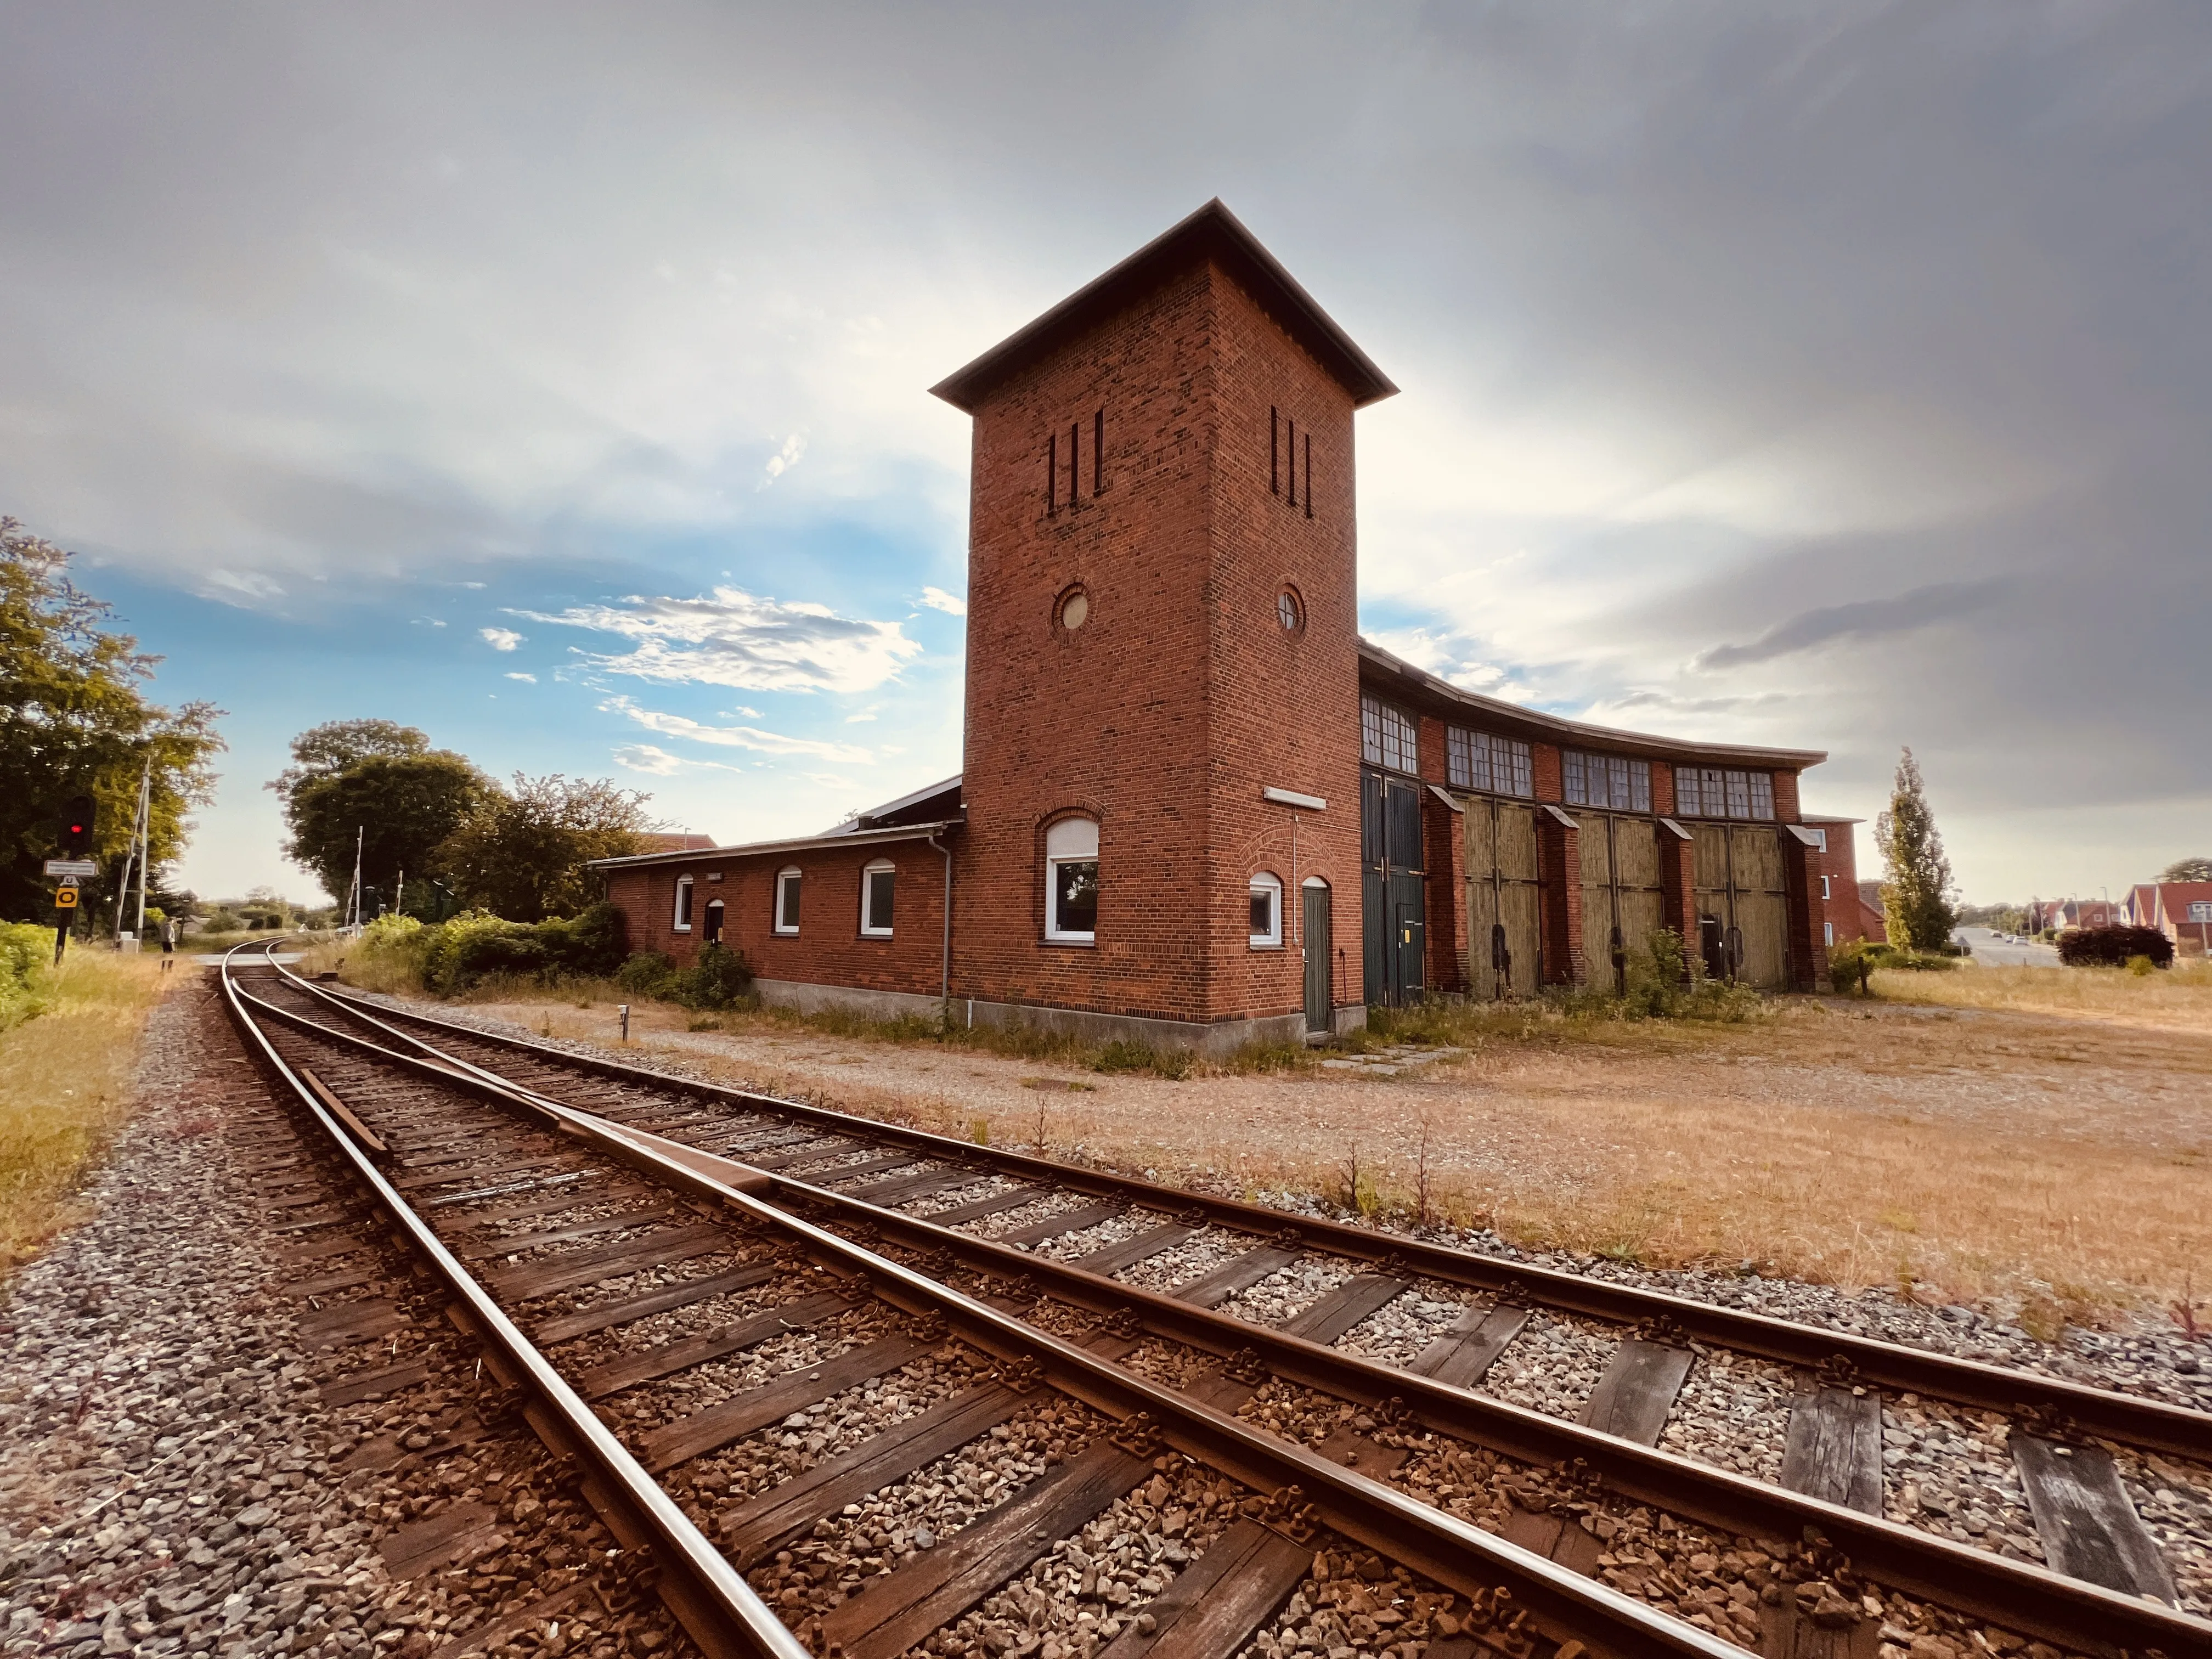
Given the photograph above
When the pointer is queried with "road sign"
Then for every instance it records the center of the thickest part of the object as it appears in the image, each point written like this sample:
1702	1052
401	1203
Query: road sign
72	868
2200	910
65	898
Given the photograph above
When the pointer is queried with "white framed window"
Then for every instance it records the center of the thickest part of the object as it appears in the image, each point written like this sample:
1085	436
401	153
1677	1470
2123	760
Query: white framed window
682	922
1387	738
1070	881
878	887
1829	928
1824	888
1611	781
1266	900
1495	766
786	900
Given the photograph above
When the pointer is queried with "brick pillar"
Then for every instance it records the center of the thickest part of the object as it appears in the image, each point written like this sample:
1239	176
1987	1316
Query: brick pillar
1443	837
1559	870
1801	879
1677	885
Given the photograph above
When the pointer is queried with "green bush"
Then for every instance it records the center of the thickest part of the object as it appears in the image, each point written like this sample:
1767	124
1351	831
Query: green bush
2110	947
720	978
647	973
1848	963
1122	1054
452	955
27	954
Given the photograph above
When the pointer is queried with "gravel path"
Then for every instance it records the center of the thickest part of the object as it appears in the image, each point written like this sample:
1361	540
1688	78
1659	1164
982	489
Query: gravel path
174	1482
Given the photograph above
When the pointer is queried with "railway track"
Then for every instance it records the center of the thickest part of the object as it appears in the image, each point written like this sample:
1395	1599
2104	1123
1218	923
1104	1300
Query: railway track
1394	1490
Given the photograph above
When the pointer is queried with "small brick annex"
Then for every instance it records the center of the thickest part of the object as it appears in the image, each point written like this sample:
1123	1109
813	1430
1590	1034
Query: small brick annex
1165	675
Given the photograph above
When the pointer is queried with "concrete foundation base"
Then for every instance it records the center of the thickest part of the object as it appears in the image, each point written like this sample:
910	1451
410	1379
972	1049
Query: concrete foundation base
1213	1041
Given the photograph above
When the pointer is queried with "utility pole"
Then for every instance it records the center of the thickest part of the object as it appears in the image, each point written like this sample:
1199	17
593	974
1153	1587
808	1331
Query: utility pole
399	900
145	838
352	900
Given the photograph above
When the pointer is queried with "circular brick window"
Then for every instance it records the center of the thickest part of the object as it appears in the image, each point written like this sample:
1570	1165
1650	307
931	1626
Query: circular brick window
1073	609
1289	610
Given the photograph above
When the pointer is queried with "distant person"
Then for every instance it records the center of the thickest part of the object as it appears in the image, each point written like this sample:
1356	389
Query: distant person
168	943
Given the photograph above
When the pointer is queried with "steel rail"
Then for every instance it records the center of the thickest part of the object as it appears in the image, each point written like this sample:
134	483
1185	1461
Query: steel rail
722	1613
2127	1419
2018	1595
1562	1603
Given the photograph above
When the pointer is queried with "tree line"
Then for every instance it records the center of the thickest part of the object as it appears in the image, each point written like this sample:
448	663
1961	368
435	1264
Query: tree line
458	838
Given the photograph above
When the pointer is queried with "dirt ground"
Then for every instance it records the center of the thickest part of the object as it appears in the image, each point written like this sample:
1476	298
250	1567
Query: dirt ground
2050	1156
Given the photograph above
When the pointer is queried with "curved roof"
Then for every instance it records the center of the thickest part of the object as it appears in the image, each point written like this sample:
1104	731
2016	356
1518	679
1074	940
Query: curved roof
1212	232
1497	714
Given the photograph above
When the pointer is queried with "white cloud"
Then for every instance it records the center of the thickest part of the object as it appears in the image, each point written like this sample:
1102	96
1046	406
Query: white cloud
527	679
937	599
734	737
427	622
784	459
500	638
644	757
240	586
733	638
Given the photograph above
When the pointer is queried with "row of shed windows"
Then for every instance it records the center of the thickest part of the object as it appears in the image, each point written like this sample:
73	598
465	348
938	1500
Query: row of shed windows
1491	765
878	893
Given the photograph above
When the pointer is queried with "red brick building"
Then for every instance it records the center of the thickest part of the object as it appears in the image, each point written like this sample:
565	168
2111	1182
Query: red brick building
1197	807
2182	910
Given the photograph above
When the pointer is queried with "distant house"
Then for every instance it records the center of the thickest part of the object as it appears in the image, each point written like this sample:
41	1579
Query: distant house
2168	906
2072	913
1850	908
676	840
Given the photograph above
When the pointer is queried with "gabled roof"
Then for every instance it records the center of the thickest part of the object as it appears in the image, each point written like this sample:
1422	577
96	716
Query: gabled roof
1380	666
1212	232
937	802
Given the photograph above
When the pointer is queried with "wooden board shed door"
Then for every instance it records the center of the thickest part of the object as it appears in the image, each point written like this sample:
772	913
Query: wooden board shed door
1743	906
1504	939
1622	900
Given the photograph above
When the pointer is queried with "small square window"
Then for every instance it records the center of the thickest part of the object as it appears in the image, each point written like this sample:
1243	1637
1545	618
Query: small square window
1267	912
877	882
787	901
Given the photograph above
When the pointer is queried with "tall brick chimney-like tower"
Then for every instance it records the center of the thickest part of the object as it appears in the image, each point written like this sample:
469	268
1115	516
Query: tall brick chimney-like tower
1160	641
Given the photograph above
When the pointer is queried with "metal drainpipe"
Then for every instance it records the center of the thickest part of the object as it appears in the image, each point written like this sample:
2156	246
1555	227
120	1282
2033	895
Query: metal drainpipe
945	966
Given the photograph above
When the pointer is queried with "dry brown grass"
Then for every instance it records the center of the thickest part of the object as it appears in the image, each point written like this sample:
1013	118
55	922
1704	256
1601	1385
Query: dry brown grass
65	1089
2175	1000
2050	1162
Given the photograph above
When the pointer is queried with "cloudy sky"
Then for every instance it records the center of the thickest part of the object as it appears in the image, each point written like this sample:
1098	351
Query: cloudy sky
553	378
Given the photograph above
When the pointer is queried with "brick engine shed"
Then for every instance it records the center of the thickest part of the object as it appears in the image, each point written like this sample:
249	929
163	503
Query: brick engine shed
1196	807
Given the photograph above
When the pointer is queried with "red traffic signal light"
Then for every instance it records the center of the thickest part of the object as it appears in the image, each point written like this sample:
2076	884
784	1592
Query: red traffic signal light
76	826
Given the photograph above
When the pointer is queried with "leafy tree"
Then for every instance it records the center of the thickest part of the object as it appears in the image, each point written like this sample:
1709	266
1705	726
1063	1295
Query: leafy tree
2187	869
402	806
74	718
522	854
1916	889
323	750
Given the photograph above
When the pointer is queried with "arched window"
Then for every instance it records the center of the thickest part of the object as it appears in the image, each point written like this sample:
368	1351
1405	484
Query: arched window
1070	881
713	934
1267	896
786	900
878	887
682	923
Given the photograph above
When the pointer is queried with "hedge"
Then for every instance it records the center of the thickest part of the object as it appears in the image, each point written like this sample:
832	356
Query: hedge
2114	947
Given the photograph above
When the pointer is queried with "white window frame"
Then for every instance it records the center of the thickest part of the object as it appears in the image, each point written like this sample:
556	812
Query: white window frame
868	875
1070	840
1266	882
680	921
1388	736
1825	894
783	924
1829	928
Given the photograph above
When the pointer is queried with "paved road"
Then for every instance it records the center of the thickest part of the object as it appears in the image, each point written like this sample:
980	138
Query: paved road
1991	951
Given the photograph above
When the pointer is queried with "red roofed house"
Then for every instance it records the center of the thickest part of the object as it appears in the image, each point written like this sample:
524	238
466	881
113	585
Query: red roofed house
2182	910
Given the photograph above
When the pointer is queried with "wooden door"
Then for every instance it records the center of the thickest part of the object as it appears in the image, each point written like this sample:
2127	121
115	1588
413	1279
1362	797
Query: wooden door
1320	997
1743	906
1504	935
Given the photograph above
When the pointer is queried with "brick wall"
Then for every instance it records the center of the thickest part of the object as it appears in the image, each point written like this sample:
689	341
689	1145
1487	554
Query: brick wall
1181	696
829	948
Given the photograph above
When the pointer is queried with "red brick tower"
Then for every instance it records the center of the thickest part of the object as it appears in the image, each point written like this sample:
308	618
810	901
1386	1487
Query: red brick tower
1160	641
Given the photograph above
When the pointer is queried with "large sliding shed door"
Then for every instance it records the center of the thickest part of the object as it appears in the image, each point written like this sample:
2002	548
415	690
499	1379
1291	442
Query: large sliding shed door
1743	904
1623	902
1504	937
1394	917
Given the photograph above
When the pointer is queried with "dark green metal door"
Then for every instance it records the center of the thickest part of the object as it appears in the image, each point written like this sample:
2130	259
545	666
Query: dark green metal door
1320	1012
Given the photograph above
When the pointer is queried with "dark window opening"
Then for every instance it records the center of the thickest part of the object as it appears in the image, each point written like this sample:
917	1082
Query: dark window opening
877	918
1075	895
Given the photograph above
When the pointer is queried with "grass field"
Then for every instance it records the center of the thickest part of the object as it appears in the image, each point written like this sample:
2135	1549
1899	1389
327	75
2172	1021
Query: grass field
65	1089
2037	1141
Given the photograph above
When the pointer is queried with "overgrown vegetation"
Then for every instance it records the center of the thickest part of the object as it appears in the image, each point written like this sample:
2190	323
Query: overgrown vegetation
2114	947
719	979
1851	965
399	953
64	1076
